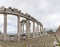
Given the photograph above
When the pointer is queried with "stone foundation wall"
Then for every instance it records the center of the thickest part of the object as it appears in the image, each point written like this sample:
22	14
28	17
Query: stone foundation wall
42	41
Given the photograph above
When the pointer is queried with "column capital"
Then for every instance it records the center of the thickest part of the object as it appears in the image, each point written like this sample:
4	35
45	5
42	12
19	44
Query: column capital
34	22
18	16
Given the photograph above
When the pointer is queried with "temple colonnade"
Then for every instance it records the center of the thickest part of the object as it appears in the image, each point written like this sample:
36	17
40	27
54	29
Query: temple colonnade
13	11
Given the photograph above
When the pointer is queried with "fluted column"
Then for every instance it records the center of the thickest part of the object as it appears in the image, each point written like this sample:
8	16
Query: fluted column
34	30
19	27
5	26
28	29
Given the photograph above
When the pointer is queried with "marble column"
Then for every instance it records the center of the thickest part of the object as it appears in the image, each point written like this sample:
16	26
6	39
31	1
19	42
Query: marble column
28	29
19	27
40	30
41	27
34	30
5	26
22	28
37	30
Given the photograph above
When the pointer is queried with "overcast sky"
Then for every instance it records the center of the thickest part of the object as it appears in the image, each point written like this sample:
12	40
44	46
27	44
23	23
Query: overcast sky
45	11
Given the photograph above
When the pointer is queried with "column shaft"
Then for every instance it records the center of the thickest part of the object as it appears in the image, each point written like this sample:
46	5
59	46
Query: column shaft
33	29
40	30
19	29
23	28
28	29
37	29
5	26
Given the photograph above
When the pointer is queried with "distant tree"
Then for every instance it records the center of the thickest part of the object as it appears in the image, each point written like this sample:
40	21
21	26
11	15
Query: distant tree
50	32
0	32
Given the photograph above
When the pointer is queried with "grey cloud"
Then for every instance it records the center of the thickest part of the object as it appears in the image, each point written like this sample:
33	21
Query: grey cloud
39	9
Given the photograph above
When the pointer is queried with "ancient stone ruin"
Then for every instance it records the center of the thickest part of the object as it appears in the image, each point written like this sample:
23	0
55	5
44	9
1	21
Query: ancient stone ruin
20	24
35	39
